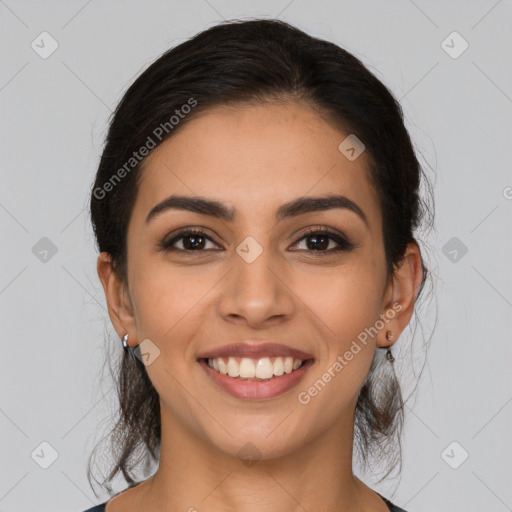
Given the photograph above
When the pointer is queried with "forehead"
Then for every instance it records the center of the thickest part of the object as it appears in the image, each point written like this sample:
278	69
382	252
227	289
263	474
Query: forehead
255	158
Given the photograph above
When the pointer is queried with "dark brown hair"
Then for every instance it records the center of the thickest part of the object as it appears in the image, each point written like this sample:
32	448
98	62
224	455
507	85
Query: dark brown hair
256	61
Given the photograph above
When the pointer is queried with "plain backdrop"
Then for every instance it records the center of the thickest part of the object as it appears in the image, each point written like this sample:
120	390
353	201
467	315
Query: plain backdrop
449	65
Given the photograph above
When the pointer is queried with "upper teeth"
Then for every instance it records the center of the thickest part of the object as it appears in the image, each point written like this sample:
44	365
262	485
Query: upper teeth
262	368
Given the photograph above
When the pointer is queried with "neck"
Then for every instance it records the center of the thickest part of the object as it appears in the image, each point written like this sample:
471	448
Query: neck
195	475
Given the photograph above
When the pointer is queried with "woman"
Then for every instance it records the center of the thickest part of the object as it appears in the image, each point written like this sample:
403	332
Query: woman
254	209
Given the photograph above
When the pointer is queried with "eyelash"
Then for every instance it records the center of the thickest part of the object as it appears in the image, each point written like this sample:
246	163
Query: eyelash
344	244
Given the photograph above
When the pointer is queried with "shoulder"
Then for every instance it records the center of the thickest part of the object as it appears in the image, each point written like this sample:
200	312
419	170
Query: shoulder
392	507
97	508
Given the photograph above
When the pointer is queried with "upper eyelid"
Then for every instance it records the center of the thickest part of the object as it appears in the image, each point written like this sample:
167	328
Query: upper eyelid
309	232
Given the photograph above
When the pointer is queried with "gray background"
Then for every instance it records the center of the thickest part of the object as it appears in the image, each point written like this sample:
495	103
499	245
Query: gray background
53	318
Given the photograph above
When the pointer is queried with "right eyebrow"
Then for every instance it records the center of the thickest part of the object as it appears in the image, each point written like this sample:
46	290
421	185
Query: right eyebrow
300	206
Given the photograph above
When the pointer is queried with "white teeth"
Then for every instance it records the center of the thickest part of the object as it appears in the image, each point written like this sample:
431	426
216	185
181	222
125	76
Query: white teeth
250	368
247	368
223	367
233	368
264	368
278	366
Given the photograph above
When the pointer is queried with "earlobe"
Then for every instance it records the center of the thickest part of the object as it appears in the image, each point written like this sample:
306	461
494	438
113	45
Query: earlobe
401	296
118	304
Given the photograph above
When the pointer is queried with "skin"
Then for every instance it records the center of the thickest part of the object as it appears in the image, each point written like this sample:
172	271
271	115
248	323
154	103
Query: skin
255	159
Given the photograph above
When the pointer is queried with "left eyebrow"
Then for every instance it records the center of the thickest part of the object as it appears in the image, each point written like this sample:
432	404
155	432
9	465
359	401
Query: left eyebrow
315	204
302	205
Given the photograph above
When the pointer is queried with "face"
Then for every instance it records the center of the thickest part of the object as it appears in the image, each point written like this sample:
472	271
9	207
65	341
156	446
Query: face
256	277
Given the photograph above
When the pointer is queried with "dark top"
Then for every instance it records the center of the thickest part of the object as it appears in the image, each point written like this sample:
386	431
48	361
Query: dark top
392	508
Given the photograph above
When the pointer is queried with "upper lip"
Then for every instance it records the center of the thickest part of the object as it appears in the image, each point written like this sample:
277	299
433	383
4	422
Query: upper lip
255	350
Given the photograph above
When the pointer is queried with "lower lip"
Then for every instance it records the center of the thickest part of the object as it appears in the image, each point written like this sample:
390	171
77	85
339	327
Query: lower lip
257	390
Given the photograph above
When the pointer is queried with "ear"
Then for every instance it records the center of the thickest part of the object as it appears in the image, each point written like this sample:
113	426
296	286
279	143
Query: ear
120	308
400	296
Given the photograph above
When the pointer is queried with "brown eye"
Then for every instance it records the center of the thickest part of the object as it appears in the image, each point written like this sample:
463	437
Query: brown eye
320	240
192	240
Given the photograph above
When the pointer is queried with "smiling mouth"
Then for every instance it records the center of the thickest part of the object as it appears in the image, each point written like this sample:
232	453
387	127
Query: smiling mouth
251	369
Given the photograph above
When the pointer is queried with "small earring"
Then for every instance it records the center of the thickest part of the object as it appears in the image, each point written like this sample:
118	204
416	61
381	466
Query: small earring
389	355
125	341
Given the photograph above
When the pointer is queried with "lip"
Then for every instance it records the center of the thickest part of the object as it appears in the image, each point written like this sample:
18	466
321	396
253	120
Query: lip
257	390
254	350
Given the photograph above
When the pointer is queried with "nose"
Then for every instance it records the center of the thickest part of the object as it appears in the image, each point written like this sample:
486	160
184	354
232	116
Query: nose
257	292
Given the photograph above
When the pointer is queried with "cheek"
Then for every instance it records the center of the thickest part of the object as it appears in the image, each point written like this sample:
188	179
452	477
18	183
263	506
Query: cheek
166	298
347	300
168	306
346	307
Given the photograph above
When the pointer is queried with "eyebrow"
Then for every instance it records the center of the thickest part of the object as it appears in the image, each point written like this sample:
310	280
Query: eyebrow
205	206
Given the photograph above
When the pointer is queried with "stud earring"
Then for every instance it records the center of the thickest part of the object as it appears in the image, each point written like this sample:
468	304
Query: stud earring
125	341
389	336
